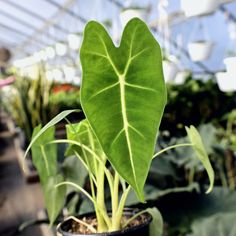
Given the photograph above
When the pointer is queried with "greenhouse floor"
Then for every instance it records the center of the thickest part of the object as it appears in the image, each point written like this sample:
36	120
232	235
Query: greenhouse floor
19	201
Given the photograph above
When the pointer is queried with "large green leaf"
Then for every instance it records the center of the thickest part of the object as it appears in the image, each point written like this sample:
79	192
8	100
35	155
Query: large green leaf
199	148
123	96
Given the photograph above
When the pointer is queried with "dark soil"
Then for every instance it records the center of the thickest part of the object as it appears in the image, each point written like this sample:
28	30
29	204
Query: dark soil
81	229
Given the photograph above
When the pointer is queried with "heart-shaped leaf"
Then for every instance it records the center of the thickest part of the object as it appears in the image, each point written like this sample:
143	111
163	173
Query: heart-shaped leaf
123	96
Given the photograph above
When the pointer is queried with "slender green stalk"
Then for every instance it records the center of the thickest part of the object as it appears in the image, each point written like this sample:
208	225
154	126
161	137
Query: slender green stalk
119	214
104	214
90	227
86	167
133	217
102	227
191	175
172	147
115	197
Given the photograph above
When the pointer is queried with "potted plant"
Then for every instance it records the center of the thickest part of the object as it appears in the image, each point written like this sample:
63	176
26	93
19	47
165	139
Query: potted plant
200	50
196	8
123	96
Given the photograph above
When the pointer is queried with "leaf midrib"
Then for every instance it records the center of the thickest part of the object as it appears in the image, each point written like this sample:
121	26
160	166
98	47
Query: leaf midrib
121	79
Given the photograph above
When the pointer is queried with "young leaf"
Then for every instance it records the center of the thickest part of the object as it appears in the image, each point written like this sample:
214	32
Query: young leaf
156	226
51	123
45	160
199	148
123	96
82	132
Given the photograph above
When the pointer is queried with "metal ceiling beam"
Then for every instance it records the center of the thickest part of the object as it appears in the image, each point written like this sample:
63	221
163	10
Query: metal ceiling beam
17	19
117	3
33	14
5	43
19	32
230	15
7	40
25	23
48	23
71	13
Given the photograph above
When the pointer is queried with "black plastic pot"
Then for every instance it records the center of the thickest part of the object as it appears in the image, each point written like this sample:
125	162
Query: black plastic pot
139	230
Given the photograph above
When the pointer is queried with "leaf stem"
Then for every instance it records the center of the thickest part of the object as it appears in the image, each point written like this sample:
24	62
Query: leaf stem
116	225
115	197
133	217
102	227
172	147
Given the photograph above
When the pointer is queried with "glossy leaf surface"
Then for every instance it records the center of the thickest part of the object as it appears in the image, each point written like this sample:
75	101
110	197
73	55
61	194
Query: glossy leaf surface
123	96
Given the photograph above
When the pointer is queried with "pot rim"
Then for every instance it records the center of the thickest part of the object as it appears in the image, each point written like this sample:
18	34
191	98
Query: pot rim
126	211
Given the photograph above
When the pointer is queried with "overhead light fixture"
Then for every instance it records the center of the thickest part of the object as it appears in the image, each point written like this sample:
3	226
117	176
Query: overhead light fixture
41	55
50	52
69	73
57	75
74	41
77	80
49	75
61	49
25	62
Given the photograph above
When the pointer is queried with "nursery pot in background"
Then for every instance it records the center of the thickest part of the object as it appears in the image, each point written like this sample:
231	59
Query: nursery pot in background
142	229
170	70
181	77
230	63
200	50
226	81
198	8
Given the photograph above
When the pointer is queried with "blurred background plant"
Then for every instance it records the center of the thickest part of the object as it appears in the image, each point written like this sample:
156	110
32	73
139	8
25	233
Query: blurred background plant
35	101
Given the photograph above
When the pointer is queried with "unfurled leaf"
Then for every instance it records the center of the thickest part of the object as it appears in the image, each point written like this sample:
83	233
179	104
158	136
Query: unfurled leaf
123	96
51	123
199	148
82	133
44	158
156	226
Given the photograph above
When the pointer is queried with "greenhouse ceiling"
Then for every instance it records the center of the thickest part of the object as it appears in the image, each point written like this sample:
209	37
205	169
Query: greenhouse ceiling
46	28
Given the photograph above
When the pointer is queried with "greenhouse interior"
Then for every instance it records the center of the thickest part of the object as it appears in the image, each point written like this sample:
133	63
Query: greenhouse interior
118	117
